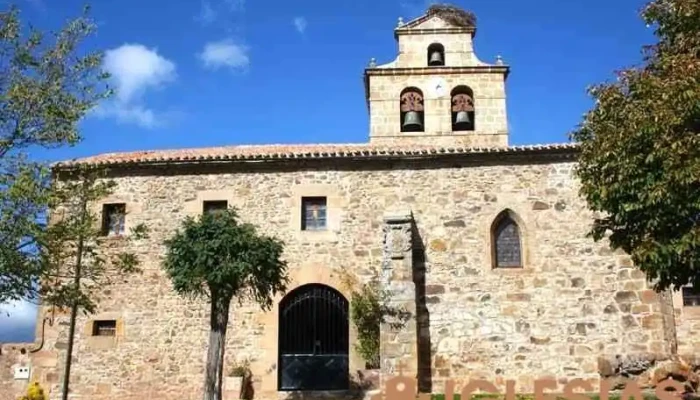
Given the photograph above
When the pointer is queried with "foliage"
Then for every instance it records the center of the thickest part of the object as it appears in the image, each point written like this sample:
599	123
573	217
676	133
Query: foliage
366	314
241	370
217	257
77	259
453	15
370	308
46	88
640	151
34	392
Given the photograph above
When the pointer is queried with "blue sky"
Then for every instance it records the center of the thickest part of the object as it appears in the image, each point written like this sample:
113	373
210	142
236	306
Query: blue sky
193	73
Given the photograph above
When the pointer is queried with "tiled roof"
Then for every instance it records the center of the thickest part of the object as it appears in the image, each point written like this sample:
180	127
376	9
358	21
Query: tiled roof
301	151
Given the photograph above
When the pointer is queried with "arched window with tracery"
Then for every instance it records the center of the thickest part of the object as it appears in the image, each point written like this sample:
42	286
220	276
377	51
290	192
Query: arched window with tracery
462	109
412	112
506	241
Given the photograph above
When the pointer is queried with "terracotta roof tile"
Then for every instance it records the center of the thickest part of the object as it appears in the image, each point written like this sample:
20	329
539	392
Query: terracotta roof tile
303	151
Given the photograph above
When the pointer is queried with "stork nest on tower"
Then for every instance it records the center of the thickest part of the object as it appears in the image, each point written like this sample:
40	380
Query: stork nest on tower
454	15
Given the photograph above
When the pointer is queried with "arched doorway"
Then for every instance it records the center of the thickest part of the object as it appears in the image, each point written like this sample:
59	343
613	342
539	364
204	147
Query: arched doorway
313	339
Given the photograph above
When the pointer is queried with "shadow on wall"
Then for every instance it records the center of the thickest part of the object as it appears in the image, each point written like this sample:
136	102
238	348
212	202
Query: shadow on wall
425	382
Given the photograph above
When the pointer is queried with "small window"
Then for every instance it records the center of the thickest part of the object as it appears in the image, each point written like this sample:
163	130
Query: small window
507	251
313	217
113	216
691	297
104	328
214	205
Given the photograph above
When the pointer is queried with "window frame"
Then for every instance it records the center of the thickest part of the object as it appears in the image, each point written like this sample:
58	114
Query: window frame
109	209
695	295
216	203
305	202
97	327
495	228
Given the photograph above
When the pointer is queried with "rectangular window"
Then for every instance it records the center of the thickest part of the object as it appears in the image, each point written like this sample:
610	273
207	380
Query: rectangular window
214	205
113	216
691	298
313	213
104	328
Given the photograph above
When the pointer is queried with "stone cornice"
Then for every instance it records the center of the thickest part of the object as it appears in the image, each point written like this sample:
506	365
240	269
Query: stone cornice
432	31
489	69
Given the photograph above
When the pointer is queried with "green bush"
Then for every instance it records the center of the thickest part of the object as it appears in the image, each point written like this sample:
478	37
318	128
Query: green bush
366	314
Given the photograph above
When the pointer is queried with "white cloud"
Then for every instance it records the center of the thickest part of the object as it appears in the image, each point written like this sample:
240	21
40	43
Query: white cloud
207	15
300	24
135	69
224	53
129	114
19	325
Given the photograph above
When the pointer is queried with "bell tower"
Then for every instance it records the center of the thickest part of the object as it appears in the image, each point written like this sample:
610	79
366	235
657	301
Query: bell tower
436	91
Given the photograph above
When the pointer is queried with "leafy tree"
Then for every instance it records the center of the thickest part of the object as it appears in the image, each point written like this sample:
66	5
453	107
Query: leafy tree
46	88
640	151
217	257
76	257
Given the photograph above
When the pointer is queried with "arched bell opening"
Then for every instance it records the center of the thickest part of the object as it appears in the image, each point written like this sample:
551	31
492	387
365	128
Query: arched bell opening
412	111
462	109
436	55
314	339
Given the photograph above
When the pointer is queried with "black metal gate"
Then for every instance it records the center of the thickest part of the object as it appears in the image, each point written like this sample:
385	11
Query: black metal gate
313	339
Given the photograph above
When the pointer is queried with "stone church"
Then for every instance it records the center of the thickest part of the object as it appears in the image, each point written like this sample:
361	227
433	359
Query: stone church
483	244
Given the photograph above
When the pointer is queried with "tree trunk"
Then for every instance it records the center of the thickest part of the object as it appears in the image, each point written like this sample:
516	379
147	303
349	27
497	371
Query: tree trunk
217	340
74	308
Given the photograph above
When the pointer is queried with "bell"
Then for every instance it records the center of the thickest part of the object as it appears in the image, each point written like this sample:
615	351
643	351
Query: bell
435	58
411	121
462	120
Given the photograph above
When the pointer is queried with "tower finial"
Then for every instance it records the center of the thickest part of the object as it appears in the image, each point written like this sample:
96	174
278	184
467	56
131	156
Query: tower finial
400	24
499	60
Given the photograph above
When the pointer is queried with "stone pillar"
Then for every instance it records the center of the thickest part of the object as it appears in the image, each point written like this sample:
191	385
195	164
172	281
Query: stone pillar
669	321
398	350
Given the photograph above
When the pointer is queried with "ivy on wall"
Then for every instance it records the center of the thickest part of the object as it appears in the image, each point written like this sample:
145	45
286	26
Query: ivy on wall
369	309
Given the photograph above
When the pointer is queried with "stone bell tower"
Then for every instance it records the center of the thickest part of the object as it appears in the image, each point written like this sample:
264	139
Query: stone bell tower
436	91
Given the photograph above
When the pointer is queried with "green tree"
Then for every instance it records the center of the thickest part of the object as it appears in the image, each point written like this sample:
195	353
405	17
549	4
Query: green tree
217	257
639	163
46	87
77	257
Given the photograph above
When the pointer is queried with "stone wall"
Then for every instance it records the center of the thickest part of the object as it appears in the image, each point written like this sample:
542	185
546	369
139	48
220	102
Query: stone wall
13	355
687	326
572	302
490	119
409	70
412	48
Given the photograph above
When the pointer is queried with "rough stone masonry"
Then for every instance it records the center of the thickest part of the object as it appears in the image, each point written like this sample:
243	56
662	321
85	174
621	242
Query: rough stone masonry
420	209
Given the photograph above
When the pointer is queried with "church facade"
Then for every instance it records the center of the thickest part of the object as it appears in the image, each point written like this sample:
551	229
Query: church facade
482	243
